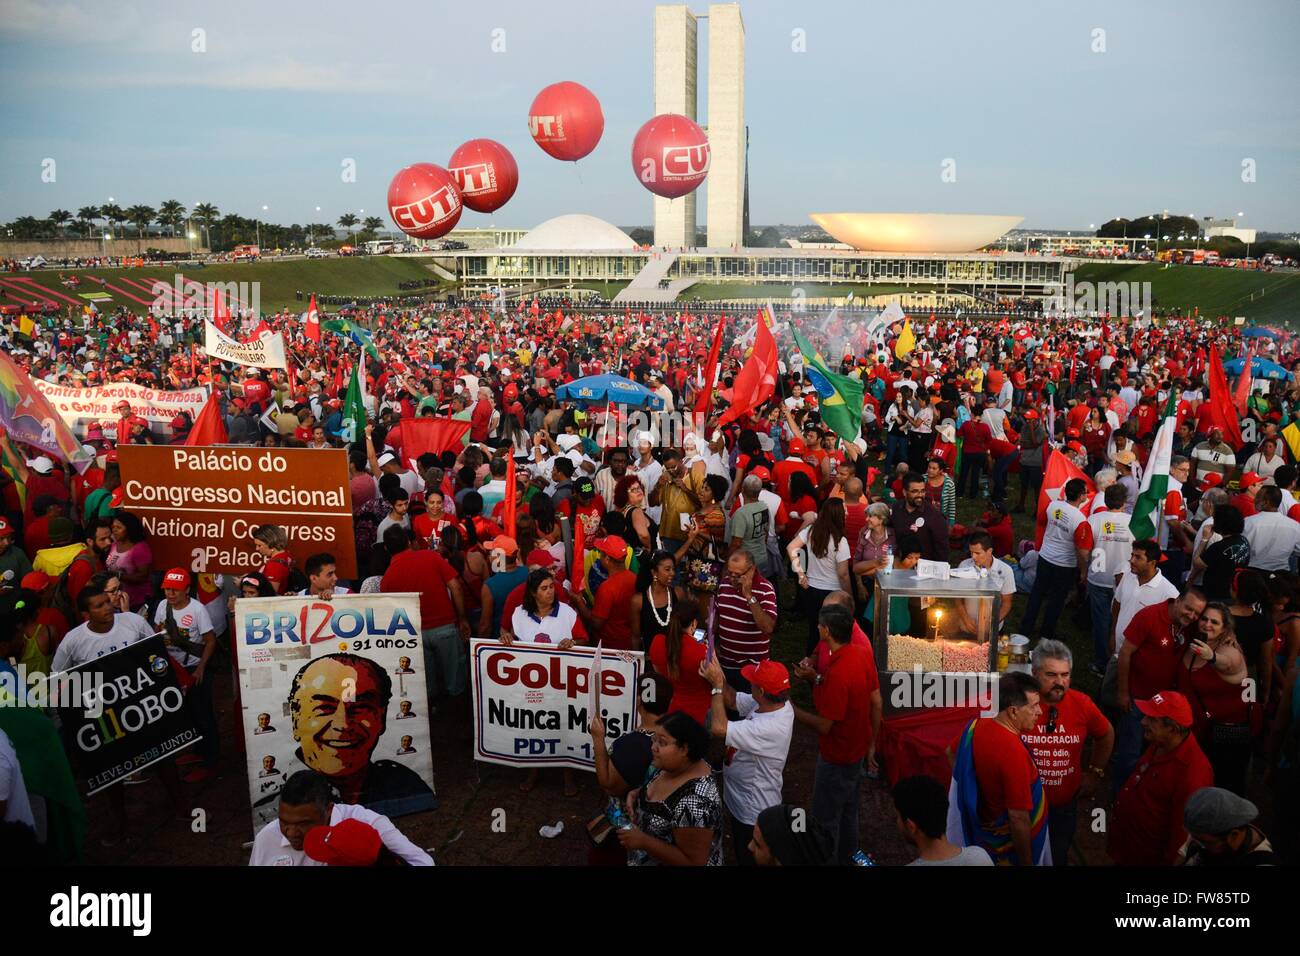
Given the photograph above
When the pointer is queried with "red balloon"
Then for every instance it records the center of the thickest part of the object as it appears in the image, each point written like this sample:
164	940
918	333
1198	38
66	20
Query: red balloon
485	173
424	201
670	155
566	121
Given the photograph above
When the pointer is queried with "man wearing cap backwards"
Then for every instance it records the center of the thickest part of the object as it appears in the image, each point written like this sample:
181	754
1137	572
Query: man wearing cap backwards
314	830
1146	824
757	744
1213	455
1222	831
191	642
609	617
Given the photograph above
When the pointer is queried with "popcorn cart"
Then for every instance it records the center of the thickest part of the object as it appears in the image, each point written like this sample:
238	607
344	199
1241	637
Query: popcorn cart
943	624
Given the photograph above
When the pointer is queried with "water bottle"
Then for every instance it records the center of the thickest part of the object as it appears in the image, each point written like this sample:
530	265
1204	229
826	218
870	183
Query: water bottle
616	816
889	558
862	859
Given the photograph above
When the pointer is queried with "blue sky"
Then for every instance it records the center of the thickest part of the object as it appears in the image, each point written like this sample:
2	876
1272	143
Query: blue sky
1038	123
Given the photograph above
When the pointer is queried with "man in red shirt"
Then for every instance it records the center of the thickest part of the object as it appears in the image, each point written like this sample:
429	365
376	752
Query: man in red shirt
444	627
1005	772
976	436
1149	662
1068	719
843	723
1146	825
608	617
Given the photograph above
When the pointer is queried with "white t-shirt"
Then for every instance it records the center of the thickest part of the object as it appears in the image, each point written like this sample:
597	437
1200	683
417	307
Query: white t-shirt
18	806
1133	597
81	644
1001	574
753	774
555	627
193	622
1112	545
1063	519
996	419
823	572
1274	540
272	848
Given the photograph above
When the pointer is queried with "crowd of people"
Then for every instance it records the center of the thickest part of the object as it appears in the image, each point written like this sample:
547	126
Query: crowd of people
734	521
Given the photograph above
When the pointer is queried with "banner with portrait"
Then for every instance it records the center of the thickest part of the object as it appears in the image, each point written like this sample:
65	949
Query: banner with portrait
336	686
532	702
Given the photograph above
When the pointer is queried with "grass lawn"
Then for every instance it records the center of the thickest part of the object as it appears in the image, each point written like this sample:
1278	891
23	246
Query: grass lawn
791	632
1271	298
278	282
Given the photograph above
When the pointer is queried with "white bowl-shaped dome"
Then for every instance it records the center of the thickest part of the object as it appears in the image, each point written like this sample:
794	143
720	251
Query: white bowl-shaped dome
575	231
914	232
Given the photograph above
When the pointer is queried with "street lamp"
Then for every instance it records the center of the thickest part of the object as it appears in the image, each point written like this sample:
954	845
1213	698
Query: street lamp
1242	215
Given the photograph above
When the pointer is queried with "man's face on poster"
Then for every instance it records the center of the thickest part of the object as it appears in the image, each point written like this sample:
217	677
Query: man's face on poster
339	714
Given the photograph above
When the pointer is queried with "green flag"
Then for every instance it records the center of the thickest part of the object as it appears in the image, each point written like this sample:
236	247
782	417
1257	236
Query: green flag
1155	481
355	333
840	395
354	410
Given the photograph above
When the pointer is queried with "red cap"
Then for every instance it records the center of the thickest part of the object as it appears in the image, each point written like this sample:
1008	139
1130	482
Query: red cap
110	455
1075	447
538	558
1249	479
1031	413
503	543
762	473
1168	703
1072	433
5	527
613	547
349	843
1211	480
178	422
796	448
176	578
35	581
772	676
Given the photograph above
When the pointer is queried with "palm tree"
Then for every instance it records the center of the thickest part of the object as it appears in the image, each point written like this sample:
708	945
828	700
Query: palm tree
205	212
26	227
141	215
171	213
113	214
348	221
374	224
88	215
58	218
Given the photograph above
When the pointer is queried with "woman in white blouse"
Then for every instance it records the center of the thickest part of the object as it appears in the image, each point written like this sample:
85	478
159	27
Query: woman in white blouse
1267	460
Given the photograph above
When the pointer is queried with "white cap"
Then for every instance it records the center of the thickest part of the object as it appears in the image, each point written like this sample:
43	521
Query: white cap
568	442
41	464
645	437
387	458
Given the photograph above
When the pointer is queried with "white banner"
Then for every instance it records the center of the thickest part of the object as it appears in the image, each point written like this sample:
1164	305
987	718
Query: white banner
336	686
81	407
264	352
532	702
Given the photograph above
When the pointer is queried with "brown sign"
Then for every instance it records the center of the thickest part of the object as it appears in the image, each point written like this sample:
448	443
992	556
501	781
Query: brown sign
200	505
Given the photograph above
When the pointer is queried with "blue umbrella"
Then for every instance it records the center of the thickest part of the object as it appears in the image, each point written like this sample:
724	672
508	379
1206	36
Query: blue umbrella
599	389
1259	332
1259	368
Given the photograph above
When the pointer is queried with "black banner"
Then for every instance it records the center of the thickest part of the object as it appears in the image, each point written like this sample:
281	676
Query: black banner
132	714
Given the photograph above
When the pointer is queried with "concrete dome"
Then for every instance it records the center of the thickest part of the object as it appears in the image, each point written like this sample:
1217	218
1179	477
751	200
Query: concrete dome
575	232
914	232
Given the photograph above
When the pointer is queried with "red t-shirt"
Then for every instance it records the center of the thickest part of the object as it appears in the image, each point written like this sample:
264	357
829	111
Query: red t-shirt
843	698
1245	504
691	692
782	471
612	601
276	569
1146	824
975	437
1059	755
429	574
1078	415
1004	770
1157	652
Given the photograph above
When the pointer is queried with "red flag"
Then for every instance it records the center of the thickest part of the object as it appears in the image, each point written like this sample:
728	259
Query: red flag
757	380
1059	470
220	314
705	399
257	332
1242	394
511	506
431	435
194	363
578	571
312	320
209	428
1222	414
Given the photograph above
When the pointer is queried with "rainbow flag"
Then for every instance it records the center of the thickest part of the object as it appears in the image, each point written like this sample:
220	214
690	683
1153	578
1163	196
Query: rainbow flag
29	418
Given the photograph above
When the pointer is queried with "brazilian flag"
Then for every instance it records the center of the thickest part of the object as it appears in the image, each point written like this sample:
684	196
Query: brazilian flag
840	395
353	332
